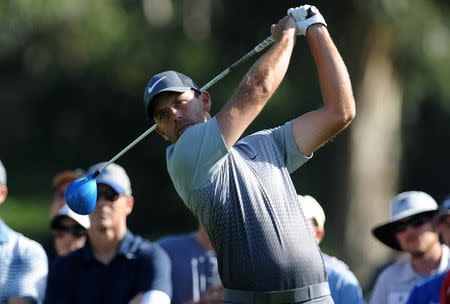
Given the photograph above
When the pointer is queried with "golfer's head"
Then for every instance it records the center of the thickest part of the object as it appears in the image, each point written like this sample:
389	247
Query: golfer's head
175	102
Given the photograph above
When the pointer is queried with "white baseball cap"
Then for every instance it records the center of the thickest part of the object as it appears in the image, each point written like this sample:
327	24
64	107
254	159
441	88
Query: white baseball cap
65	211
312	209
403	206
2	174
113	176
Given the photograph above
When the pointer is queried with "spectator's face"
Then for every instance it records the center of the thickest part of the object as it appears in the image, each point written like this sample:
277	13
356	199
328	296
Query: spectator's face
174	112
417	235
111	210
444	228
68	236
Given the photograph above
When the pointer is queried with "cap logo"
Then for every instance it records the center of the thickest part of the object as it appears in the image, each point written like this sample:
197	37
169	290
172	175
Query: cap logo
150	89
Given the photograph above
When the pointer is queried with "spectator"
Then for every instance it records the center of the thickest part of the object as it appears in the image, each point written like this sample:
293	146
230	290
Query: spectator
67	239
68	233
429	289
115	266
411	230
23	264
344	286
195	278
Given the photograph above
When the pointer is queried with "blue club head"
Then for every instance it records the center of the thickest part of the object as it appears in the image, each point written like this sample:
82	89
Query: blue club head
81	194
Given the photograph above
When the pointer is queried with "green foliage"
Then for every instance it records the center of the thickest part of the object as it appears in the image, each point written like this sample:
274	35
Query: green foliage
26	215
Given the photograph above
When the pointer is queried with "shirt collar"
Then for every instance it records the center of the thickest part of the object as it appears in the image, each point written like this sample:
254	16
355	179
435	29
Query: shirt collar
443	264
411	274
5	232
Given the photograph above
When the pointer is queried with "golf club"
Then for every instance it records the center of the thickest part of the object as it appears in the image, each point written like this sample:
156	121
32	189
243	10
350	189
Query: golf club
81	194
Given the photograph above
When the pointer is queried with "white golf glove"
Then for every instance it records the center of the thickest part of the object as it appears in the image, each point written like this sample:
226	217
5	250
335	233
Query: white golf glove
305	16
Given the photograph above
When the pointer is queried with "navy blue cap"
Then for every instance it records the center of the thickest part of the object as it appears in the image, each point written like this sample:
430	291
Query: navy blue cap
168	81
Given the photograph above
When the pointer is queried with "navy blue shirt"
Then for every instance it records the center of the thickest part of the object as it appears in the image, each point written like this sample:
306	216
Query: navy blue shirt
194	269
138	266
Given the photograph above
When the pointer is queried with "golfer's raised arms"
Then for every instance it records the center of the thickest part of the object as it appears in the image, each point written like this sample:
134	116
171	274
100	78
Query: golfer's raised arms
314	129
258	84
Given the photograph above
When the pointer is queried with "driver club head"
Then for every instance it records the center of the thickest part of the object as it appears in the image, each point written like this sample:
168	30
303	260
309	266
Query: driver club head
81	194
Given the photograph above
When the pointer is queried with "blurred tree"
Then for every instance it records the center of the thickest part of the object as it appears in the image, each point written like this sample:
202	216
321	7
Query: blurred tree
72	75
405	58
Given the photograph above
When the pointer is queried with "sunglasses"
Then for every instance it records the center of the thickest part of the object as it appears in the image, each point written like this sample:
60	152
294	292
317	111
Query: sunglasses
107	193
75	231
415	222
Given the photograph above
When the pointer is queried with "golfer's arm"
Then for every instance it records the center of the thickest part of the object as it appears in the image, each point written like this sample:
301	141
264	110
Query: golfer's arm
314	129
255	89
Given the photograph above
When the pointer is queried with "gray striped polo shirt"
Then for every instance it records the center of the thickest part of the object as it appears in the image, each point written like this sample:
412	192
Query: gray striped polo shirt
247	202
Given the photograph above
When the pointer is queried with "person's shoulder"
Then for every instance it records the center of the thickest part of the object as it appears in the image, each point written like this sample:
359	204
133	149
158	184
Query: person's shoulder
175	240
429	282
142	246
26	245
340	269
395	270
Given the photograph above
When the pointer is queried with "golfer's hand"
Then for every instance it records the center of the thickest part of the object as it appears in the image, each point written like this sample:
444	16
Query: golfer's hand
214	295
305	16
286	26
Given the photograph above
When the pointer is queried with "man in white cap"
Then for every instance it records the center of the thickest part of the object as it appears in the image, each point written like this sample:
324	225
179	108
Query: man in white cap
115	266
344	286
23	263
410	229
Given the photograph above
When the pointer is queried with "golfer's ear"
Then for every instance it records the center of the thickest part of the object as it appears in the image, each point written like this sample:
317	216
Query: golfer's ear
162	133
206	98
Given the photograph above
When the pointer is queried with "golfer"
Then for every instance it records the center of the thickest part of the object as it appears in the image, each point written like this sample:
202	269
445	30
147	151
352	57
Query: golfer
241	190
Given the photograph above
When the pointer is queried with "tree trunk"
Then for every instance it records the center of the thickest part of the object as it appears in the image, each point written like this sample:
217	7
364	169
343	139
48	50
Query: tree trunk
375	148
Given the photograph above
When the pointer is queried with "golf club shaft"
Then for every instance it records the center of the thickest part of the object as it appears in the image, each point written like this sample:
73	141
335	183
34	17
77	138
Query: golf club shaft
257	49
260	47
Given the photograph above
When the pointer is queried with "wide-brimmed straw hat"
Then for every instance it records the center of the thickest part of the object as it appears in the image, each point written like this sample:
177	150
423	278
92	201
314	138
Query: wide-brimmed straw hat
403	206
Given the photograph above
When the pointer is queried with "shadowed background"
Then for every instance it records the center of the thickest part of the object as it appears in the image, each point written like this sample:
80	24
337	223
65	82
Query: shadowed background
72	78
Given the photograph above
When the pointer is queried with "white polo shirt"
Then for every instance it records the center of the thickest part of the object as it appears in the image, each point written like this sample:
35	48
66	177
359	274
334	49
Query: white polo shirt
396	282
23	266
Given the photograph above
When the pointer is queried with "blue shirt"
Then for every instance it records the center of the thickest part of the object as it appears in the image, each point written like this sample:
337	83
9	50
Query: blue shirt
138	266
344	286
428	290
194	269
248	204
23	267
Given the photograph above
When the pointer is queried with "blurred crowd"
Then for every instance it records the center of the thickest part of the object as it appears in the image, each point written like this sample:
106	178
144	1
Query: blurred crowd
97	259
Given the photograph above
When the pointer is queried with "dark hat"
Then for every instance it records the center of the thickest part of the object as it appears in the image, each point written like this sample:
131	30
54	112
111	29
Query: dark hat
169	81
403	206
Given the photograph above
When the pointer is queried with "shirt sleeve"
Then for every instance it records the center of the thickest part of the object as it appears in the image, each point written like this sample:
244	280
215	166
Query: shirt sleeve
156	262
284	138
29	277
192	159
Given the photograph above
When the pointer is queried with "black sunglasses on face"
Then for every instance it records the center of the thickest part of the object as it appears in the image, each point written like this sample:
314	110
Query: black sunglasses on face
75	231
415	222
107	193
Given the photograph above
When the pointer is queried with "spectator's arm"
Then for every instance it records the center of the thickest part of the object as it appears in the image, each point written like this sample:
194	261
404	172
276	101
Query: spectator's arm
157	287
